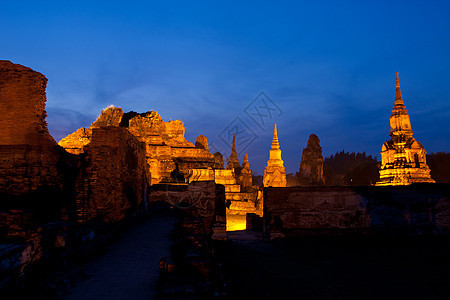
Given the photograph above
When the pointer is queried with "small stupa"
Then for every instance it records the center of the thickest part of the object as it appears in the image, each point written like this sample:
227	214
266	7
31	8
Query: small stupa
403	159
245	176
274	173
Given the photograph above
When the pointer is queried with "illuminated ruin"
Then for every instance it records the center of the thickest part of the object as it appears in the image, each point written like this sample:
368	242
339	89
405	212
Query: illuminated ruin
403	159
166	146
241	195
274	173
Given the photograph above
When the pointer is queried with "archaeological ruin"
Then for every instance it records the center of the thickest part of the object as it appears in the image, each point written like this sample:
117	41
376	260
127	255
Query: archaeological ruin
311	164
62	201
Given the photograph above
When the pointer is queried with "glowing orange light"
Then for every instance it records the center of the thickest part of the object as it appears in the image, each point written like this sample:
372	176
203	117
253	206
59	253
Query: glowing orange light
236	222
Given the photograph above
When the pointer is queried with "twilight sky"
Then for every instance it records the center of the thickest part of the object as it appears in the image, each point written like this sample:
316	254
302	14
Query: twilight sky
325	68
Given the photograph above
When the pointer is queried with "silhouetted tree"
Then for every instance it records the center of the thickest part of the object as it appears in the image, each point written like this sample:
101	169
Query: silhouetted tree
344	168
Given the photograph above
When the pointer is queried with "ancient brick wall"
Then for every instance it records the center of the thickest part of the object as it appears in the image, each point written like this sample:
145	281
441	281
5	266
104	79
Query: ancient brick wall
202	199
112	182
22	105
25	168
29	156
74	142
413	209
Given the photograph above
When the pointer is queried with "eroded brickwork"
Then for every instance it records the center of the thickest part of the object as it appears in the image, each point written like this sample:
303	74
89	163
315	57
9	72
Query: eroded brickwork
22	103
165	142
408	209
203	199
311	165
29	156
112	182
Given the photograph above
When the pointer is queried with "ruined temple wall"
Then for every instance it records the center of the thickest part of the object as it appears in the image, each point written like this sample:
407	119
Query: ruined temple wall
243	207
74	143
417	208
305	208
204	200
192	152
22	103
113	179
24	168
29	156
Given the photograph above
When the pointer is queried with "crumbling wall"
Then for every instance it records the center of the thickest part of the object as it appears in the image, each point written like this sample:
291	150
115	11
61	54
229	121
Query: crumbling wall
29	156
74	143
22	103
413	209
165	142
112	182
202	199
311	165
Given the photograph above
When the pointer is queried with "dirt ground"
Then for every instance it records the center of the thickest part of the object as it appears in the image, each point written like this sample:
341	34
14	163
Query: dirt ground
336	267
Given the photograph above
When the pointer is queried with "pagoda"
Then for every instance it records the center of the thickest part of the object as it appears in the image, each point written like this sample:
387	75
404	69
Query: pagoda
274	173
403	158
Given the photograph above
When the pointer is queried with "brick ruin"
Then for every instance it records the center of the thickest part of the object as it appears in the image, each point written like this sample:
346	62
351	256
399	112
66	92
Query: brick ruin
29	156
311	165
165	145
241	195
57	197
405	210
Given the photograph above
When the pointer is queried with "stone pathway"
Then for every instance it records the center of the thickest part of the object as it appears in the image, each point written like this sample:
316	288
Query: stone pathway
130	268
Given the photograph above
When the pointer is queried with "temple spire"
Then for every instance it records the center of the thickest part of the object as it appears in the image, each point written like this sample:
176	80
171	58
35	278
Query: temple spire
233	161
275	143
398	93
274	173
233	147
245	163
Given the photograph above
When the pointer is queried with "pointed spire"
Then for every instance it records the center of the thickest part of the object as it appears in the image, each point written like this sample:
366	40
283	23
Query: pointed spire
275	143
233	161
398	93
233	147
274	173
245	164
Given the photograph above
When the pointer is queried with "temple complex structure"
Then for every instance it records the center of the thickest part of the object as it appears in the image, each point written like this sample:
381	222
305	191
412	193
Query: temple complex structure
241	195
403	159
274	173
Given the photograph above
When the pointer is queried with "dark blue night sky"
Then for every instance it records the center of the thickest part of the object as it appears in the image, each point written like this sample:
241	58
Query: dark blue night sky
329	68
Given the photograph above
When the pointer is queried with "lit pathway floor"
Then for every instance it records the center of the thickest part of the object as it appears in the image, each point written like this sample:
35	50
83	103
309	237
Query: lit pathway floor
130	268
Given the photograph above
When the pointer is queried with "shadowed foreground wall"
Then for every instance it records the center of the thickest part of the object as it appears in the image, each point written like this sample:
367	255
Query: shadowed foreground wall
202	199
45	191
29	156
420	208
